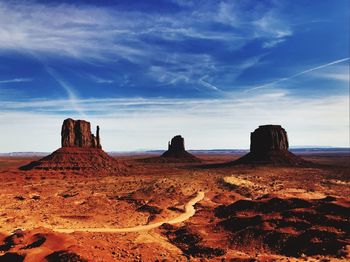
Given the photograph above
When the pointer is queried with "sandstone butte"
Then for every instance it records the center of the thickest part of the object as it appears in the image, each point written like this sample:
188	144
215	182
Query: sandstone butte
177	152
80	151
269	145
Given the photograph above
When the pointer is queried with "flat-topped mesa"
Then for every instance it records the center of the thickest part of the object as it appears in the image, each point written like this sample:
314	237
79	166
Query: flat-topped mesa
268	138
77	133
269	145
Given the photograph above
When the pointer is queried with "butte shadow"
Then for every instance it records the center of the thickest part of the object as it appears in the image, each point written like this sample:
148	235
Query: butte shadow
268	146
80	151
176	153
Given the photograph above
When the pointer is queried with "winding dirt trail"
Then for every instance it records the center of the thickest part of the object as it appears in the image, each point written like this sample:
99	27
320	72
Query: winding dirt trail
189	212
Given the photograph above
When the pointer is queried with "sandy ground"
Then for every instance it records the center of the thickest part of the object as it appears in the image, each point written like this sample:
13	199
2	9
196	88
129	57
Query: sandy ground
35	202
189	211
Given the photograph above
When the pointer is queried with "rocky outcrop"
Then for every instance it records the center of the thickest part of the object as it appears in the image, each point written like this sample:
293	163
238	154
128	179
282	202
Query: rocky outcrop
176	147
269	145
80	151
176	153
267	138
299	227
77	133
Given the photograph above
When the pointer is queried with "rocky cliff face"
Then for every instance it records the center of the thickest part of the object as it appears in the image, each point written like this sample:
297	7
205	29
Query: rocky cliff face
267	138
80	151
176	152
77	133
269	145
177	144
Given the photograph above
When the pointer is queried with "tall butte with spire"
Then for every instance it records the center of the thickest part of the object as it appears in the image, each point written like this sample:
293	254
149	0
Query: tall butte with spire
77	133
80	150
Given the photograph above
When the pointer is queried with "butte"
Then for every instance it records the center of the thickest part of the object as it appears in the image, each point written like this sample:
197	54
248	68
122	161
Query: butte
269	145
80	151
176	153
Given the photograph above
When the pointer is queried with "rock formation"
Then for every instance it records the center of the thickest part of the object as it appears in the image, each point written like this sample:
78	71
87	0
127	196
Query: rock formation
268	138
176	147
81	150
77	133
269	145
176	153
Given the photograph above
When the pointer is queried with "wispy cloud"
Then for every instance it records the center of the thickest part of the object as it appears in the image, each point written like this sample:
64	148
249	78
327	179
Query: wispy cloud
99	33
208	85
300	73
196	57
196	119
273	43
70	91
336	76
15	80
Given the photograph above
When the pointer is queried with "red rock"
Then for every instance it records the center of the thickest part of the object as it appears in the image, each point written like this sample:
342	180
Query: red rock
268	137
77	159
80	151
269	145
176	153
77	133
176	150
176	146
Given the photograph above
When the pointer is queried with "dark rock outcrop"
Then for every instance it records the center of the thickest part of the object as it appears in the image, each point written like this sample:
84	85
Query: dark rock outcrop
77	133
269	145
176	148
176	153
80	151
267	138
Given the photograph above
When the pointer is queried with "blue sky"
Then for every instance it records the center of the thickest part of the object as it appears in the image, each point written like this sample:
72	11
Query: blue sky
148	70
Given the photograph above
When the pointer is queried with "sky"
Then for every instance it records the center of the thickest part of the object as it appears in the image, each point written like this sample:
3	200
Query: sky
145	71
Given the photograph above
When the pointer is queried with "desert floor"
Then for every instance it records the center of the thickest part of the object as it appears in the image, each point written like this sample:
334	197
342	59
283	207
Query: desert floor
177	212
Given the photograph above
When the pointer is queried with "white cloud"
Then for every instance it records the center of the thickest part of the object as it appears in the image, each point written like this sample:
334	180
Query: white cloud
15	80
336	76
205	123
306	72
100	33
227	14
208	85
273	43
65	30
269	25
66	86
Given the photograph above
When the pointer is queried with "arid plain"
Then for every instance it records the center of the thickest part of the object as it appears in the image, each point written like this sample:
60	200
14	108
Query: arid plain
248	213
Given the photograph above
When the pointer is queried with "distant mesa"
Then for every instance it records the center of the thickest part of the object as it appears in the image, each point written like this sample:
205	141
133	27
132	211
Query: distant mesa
176	153
176	147
269	145
80	150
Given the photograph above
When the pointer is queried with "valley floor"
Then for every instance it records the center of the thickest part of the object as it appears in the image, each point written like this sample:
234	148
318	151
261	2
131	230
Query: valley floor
237	213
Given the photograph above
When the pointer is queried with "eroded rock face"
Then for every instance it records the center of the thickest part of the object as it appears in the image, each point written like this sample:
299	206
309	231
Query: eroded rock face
269	145
177	144
80	151
267	138
77	133
176	151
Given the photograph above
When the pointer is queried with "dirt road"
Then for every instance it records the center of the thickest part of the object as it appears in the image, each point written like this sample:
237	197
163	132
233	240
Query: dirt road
189	212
